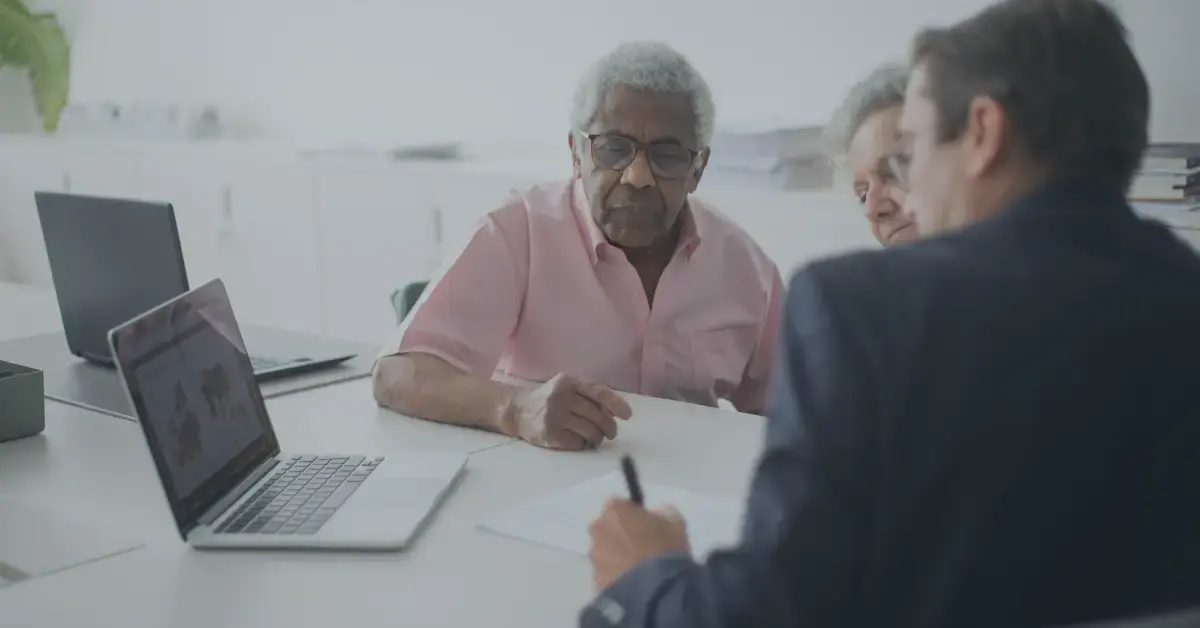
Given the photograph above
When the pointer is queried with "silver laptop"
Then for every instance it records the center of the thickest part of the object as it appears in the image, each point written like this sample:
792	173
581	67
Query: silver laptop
191	385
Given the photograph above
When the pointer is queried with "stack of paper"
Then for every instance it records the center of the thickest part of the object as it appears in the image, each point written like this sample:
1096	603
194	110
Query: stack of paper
561	519
1170	174
788	158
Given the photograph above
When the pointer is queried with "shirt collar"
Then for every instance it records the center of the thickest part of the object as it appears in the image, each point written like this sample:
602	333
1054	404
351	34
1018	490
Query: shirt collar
692	227
591	231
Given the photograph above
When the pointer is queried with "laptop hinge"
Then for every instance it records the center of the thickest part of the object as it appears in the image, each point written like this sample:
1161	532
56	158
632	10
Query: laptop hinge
216	510
96	358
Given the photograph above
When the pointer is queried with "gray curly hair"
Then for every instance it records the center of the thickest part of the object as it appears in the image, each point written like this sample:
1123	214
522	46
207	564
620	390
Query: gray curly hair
650	66
882	89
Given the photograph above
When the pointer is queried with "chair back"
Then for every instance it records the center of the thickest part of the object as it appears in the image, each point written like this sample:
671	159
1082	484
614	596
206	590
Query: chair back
405	299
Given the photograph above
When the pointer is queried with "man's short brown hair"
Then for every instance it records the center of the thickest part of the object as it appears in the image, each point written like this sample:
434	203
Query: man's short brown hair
1072	89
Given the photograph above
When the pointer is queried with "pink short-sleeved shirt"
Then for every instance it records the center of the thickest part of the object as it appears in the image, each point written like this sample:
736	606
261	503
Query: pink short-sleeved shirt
538	290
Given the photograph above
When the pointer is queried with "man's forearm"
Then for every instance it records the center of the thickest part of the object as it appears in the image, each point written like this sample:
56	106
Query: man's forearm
428	387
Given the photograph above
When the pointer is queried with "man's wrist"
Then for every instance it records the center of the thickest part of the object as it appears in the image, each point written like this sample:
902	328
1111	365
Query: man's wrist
506	418
634	596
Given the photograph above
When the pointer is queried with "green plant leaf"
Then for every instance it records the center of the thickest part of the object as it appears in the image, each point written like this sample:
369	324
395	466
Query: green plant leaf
52	80
17	5
37	43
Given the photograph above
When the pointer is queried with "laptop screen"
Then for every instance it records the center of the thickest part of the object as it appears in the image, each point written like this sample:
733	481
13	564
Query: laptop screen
193	390
110	260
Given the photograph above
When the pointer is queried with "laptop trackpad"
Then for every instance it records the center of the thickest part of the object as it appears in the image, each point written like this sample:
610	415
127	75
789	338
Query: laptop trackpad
391	493
386	509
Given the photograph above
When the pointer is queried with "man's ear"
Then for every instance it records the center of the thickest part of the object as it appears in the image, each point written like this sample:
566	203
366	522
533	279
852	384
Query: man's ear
983	138
698	171
575	166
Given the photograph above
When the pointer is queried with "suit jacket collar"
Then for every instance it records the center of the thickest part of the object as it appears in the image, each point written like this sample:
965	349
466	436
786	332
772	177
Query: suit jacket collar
1081	199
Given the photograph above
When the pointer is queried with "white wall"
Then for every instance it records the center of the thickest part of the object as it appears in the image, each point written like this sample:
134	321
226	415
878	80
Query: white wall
17	112
1164	37
469	69
482	70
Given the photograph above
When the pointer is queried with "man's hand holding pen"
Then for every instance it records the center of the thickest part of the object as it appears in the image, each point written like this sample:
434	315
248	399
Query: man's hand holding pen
626	533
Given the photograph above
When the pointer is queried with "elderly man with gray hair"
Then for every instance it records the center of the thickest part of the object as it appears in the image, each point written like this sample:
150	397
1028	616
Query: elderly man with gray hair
864	133
616	280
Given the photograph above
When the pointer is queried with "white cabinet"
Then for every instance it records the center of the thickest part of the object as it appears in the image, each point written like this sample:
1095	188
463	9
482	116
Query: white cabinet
25	167
271	208
463	198
375	235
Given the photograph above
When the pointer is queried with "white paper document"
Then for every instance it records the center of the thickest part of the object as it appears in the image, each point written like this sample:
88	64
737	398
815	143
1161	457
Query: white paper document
36	543
561	519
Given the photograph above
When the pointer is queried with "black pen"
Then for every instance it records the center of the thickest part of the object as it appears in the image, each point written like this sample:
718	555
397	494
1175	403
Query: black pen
631	480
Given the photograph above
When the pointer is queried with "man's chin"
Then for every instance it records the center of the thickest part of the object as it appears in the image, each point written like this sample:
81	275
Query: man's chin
631	236
632	241
903	235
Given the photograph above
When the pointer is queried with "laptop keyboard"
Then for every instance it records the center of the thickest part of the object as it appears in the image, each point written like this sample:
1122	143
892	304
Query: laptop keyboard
300	496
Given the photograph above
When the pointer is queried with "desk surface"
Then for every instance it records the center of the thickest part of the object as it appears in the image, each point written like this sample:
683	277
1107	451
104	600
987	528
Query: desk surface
97	470
454	575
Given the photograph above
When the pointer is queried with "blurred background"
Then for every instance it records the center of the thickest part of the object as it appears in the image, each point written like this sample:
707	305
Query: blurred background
320	155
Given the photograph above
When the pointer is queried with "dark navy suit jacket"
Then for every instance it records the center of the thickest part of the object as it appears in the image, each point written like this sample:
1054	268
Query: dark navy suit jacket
998	427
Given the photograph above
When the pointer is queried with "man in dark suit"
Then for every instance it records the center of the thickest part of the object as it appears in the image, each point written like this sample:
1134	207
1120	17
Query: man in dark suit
996	426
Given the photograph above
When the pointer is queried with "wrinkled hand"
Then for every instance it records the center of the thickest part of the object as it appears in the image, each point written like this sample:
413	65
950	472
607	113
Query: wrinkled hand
567	413
626	534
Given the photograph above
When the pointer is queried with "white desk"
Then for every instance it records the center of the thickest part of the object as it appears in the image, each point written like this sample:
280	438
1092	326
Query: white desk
96	469
93	467
455	575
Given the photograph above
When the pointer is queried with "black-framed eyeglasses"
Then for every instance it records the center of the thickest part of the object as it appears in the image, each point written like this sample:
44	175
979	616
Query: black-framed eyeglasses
617	152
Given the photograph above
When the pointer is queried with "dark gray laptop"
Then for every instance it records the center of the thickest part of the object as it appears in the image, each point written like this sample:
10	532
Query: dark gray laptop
113	259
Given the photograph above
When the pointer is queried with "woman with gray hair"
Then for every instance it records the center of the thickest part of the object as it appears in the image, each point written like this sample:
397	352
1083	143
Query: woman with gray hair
864	136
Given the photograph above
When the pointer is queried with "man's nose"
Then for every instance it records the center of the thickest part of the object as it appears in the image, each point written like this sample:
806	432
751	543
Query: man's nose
637	174
879	203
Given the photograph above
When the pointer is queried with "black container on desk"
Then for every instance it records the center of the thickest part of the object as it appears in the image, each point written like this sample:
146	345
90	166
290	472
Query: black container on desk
22	406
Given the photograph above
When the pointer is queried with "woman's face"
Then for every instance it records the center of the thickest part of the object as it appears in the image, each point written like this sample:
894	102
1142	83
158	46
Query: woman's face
873	156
